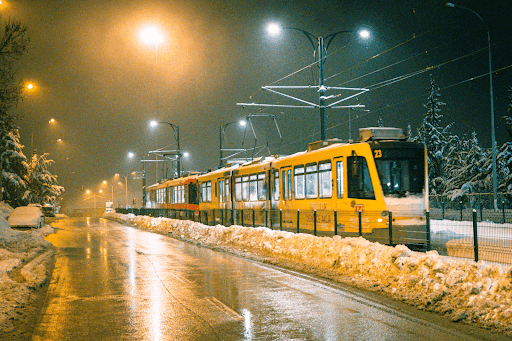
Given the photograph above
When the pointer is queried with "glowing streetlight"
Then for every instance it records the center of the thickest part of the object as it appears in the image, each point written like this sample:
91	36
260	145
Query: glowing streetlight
30	86
52	120
151	35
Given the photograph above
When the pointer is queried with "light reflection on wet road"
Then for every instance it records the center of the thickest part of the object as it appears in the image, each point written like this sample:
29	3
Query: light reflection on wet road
113	282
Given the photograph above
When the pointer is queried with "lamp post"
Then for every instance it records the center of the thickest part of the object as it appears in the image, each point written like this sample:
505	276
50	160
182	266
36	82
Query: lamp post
131	155
493	134
320	47
222	130
125	187
176	130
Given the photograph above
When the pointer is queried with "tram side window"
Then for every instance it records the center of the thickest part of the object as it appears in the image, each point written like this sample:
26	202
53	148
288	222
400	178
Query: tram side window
311	181
276	186
298	178
206	191
359	181
283	181
226	190
339	179
245	188
290	184
221	191
325	179
253	190
238	189
262	190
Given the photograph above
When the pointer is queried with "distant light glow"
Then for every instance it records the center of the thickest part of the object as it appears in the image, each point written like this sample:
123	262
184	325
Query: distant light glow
151	35
243	123
30	86
274	29
59	140
104	182
186	154
365	34
153	123
51	121
131	155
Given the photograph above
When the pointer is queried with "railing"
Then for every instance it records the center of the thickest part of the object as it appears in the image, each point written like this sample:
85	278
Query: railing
475	238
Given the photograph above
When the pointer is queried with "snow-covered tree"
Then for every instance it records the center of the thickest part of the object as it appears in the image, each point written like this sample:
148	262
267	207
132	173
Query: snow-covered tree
14	166
42	185
465	168
435	137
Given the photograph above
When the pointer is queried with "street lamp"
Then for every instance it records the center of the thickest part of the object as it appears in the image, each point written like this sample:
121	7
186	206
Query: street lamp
131	155
318	47
176	130
493	134
222	130
105	182
125	187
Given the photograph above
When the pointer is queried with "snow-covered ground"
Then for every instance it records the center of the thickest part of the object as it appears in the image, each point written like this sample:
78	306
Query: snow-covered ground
461	290
25	257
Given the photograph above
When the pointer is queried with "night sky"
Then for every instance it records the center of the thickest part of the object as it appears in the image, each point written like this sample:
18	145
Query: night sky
103	85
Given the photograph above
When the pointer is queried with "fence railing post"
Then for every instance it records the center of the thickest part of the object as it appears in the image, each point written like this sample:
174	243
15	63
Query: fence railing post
253	218
390	224
206	213
280	219
242	217
267	218
475	236
298	221
360	223
335	222
314	222
427	227
503	210
460	204
443	205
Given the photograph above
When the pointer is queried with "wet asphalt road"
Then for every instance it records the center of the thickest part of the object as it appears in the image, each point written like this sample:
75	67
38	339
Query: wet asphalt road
113	282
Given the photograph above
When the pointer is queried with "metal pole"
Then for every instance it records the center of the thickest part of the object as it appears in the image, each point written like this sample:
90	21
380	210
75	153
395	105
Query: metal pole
335	222
475	235
495	181
220	147
314	224
178	149
321	90
126	191
494	176
427	218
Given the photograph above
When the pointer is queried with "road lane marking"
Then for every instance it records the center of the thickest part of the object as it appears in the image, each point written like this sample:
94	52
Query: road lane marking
227	310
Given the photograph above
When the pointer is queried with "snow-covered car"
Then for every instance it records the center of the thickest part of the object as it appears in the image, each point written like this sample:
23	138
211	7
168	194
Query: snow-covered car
48	210
26	216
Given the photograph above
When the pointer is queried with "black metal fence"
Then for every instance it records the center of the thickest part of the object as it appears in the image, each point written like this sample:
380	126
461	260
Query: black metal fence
479	235
442	207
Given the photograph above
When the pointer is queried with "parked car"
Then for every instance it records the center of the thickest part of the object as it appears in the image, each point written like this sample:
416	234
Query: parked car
48	210
26	216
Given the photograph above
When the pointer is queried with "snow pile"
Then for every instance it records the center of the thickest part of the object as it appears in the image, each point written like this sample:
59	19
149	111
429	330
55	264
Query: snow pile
462	290
25	260
5	209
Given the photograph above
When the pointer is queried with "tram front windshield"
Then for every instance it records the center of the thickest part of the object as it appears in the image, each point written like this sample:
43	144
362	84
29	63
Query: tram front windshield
401	175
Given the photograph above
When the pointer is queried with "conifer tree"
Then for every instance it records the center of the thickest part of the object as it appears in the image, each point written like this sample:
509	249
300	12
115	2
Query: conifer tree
42	185
435	137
